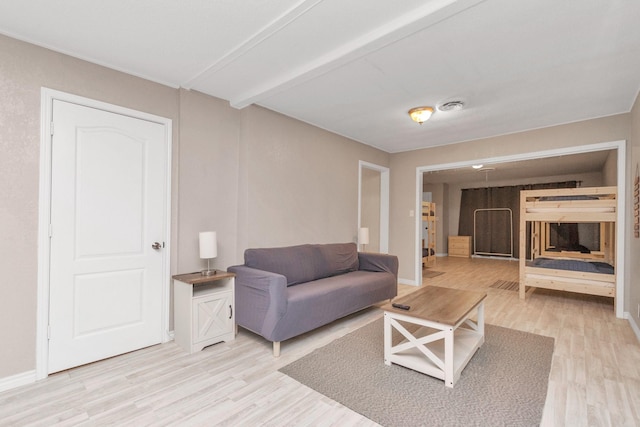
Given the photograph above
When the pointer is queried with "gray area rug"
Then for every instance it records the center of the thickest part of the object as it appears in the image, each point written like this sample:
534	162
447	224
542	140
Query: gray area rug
504	384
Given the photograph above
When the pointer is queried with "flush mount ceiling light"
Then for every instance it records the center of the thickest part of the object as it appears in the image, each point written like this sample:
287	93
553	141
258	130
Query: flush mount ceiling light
420	114
477	166
451	106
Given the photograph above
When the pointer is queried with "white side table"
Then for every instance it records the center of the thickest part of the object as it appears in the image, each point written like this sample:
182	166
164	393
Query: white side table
203	309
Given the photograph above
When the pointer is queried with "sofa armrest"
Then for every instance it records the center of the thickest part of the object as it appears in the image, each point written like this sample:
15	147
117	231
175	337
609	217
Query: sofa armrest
371	261
260	299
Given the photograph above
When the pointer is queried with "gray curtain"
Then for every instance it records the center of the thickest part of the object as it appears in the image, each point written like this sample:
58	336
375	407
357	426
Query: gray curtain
493	234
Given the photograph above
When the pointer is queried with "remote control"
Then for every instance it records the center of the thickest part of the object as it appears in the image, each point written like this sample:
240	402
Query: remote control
401	306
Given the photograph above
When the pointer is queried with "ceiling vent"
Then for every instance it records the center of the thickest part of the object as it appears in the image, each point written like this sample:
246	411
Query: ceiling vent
451	106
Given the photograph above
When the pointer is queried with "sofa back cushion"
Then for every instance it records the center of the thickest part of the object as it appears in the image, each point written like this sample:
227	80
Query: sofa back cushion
336	258
304	263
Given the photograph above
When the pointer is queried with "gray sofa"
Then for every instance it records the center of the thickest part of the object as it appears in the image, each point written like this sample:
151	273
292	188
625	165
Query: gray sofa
284	292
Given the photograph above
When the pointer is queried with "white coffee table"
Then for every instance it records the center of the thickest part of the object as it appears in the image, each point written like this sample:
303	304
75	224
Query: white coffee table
446	337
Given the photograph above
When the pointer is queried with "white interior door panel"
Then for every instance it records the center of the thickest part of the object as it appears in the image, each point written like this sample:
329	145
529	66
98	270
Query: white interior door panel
107	209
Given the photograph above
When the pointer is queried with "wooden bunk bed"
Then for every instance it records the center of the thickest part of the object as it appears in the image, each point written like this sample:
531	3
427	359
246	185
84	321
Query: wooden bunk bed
574	270
429	244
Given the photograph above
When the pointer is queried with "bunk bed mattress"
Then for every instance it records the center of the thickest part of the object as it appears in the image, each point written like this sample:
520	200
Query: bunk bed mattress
573	265
559	198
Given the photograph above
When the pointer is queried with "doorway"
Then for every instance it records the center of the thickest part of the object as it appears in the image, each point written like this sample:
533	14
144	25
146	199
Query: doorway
373	205
619	176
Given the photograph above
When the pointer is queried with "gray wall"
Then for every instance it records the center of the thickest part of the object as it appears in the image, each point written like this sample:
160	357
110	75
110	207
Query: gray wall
208	185
299	183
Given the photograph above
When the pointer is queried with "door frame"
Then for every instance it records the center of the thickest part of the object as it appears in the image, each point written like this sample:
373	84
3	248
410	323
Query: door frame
384	201
622	256
47	96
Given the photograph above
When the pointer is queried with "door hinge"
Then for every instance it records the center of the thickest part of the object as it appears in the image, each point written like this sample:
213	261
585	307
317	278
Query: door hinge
50	231
48	332
51	128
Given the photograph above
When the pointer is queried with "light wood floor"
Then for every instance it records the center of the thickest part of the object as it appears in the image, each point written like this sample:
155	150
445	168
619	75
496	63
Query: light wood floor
594	380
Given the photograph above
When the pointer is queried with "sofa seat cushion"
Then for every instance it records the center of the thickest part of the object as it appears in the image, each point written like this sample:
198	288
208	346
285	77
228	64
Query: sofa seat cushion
304	263
319	302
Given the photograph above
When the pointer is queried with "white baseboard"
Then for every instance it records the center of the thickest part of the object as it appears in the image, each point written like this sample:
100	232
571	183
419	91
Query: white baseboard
633	324
18	380
407	282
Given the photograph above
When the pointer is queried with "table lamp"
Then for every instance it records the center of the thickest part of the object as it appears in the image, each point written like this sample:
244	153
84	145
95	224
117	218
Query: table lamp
208	249
363	236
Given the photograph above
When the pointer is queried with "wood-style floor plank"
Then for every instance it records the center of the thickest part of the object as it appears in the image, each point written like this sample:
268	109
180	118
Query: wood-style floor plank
594	379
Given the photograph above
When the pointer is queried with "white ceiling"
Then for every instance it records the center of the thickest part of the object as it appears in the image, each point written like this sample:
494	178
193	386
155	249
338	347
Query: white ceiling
356	67
490	174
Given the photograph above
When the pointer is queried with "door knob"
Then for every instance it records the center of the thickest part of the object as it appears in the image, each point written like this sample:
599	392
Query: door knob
156	245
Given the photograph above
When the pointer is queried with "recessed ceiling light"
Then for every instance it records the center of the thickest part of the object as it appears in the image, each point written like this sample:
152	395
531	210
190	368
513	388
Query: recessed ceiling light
451	106
477	166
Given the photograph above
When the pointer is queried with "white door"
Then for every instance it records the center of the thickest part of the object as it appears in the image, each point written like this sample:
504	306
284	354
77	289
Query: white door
108	178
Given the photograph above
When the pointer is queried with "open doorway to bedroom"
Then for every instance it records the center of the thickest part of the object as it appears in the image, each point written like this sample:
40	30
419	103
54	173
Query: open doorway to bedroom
373	206
584	166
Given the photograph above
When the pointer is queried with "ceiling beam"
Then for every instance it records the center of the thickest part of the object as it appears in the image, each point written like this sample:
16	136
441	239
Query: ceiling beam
411	22
255	40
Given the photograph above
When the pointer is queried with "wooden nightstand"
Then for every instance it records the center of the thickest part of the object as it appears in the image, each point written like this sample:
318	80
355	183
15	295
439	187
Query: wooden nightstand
203	309
460	246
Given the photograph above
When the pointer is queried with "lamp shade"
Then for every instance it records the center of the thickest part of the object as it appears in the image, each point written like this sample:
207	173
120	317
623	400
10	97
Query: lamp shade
363	236
208	244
